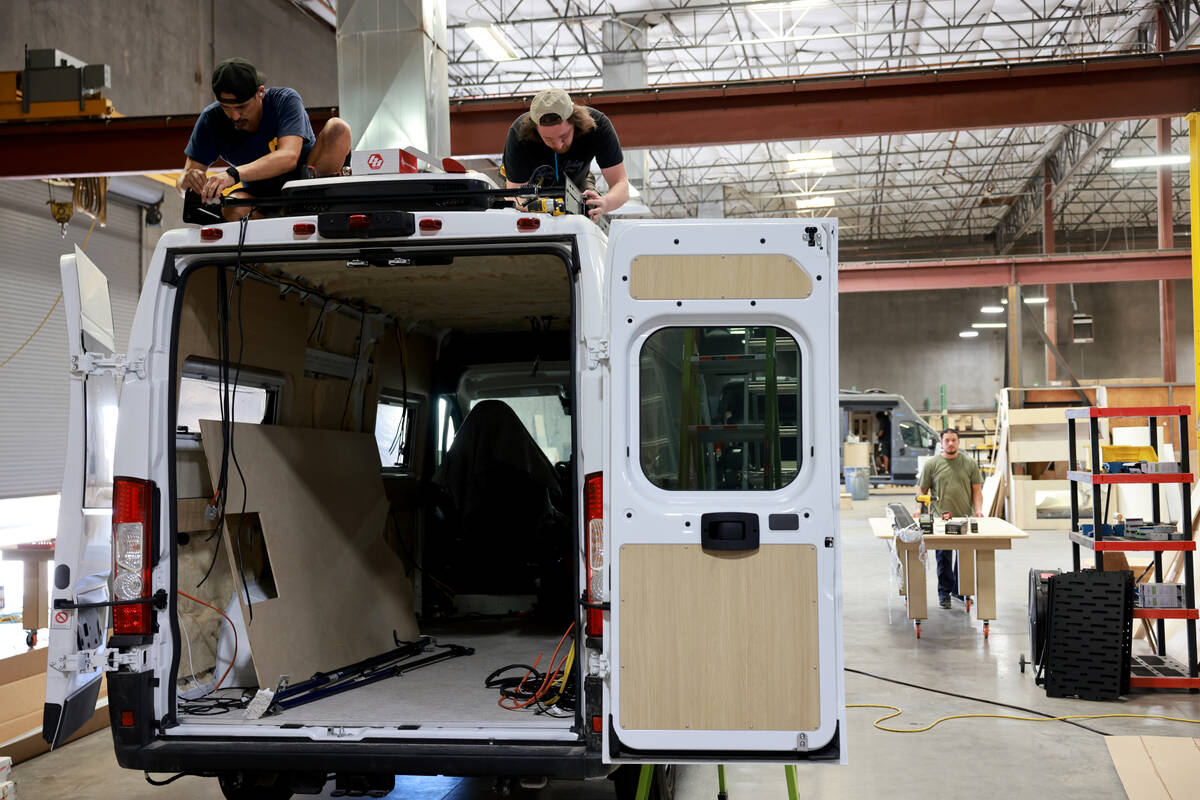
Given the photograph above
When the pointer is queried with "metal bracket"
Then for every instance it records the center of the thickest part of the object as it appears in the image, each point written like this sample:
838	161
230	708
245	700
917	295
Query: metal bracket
597	352
117	364
598	665
103	659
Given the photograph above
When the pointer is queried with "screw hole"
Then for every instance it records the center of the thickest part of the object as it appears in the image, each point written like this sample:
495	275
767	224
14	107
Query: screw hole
762	241
628	515
624	277
753	302
818	277
678	302
629	320
687	524
676	241
806	515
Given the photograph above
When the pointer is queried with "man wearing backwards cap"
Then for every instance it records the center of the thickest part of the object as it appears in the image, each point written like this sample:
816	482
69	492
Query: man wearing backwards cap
264	133
557	140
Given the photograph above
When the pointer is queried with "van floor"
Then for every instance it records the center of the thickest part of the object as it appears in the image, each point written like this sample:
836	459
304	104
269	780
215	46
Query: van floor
447	692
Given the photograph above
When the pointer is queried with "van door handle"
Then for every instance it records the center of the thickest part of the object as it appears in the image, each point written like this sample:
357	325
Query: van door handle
731	530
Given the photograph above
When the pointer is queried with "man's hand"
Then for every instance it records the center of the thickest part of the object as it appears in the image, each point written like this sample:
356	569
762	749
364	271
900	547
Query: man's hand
191	179
211	192
597	204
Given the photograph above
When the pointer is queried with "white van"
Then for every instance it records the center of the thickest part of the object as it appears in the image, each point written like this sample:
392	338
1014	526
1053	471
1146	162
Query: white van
396	413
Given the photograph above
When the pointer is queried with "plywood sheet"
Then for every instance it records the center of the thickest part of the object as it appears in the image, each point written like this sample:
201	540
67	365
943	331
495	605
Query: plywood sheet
1157	767
341	590
719	641
693	277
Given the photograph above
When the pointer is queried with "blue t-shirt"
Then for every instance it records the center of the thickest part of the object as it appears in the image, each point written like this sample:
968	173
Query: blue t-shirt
283	115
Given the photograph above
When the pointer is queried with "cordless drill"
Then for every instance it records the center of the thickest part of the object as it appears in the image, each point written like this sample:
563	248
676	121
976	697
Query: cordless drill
924	514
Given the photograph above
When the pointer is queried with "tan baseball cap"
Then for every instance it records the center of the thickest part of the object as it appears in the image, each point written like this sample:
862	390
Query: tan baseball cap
551	101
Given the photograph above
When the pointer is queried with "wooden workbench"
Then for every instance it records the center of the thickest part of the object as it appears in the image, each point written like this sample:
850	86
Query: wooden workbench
976	564
36	603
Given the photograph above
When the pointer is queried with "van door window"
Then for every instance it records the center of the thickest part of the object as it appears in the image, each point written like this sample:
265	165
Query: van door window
255	396
720	408
394	417
914	435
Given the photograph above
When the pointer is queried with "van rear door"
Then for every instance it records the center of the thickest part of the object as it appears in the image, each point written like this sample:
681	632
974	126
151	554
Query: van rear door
724	630
83	544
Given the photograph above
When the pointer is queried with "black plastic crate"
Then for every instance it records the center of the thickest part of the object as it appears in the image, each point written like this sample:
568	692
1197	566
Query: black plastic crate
1089	639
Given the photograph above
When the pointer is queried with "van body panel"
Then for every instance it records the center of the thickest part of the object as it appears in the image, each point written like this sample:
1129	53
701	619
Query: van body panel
911	439
652	635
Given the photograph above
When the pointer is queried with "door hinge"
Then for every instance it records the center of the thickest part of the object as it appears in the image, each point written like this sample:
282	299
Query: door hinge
104	659
597	352
598	665
118	364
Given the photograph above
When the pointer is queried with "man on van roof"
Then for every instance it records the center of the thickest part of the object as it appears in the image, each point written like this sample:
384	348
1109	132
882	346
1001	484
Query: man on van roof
264	134
957	485
557	141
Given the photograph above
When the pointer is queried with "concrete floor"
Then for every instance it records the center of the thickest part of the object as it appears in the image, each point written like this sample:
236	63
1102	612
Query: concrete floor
979	758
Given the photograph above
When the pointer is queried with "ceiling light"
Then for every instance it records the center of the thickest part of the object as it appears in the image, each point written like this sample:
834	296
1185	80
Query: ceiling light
493	44
989	324
812	161
1149	161
815	202
968	334
992	309
1033	301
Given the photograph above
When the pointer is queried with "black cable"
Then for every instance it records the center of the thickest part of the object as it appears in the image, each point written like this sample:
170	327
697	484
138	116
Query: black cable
975	699
171	779
239	281
362	332
320	316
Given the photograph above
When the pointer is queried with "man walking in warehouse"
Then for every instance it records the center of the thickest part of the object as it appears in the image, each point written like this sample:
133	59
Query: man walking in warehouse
557	141
957	488
263	133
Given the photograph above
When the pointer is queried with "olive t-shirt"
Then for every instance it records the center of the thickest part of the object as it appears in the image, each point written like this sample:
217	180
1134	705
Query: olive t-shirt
951	480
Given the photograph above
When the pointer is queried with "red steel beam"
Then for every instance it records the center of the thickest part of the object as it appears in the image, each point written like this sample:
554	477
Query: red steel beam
1120	87
1046	93
118	146
1147	265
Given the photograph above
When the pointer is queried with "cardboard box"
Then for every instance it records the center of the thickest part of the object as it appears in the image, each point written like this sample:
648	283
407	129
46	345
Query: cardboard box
856	454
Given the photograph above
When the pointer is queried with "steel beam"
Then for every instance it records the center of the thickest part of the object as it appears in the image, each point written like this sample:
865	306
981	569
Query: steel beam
1036	93
1022	270
1042	93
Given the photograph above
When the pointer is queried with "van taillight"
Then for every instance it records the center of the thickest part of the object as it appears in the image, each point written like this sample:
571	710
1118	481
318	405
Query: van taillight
430	225
304	228
359	221
211	234
133	522
528	224
593	524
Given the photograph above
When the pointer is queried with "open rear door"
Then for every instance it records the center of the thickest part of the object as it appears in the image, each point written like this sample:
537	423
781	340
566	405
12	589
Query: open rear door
725	624
83	546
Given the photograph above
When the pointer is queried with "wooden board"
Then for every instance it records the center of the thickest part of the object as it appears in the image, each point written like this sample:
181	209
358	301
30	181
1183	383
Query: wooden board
1157	767
719	641
341	590
856	454
692	277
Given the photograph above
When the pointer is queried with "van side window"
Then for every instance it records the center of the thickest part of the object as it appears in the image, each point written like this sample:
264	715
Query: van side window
394	418
913	435
255	397
720	408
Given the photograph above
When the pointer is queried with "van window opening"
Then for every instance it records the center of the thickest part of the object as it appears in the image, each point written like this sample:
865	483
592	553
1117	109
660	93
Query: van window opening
545	419
255	397
394	418
720	408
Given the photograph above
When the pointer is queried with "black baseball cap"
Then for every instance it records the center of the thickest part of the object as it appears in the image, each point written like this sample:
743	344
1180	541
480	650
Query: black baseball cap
238	77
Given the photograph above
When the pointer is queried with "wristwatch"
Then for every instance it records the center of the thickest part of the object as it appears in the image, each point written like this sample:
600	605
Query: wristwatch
233	173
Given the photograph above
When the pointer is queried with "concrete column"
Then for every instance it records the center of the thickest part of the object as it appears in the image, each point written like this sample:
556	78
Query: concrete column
623	66
392	74
1013	335
1050	310
1166	221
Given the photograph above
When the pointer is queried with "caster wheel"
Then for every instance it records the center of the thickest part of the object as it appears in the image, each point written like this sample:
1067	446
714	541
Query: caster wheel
968	602
31	639
985	630
918	627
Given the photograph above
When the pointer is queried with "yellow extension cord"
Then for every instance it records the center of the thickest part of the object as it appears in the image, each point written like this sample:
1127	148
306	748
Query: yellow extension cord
897	712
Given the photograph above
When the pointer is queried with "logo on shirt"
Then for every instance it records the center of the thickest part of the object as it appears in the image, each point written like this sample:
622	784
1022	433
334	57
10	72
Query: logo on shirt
375	161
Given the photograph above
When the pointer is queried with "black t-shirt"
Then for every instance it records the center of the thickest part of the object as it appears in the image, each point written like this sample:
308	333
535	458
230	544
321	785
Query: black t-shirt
283	115
531	161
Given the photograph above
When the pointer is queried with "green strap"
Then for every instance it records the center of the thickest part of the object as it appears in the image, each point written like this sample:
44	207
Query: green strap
644	782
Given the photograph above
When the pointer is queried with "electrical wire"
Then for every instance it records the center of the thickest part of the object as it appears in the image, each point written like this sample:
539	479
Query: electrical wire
1067	718
514	689
233	660
362	332
972	698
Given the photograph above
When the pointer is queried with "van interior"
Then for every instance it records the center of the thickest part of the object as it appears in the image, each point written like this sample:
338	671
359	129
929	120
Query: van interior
369	451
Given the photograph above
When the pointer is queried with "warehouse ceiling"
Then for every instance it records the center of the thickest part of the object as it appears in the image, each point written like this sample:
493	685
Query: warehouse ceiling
971	185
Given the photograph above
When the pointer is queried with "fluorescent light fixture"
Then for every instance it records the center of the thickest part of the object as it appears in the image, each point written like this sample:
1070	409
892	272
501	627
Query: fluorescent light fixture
968	334
1035	301
1149	161
815	202
493	44
992	309
812	161
989	324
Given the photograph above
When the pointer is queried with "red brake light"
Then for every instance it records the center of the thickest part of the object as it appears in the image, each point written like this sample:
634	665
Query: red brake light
594	552
304	229
359	221
211	234
528	224
133	522
430	225
126	719
597	724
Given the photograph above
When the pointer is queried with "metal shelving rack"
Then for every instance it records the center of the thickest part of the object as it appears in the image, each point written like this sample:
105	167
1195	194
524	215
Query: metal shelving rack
1161	671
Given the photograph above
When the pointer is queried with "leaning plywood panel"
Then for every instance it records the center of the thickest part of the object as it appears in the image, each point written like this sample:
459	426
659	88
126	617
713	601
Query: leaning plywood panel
1157	767
336	591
